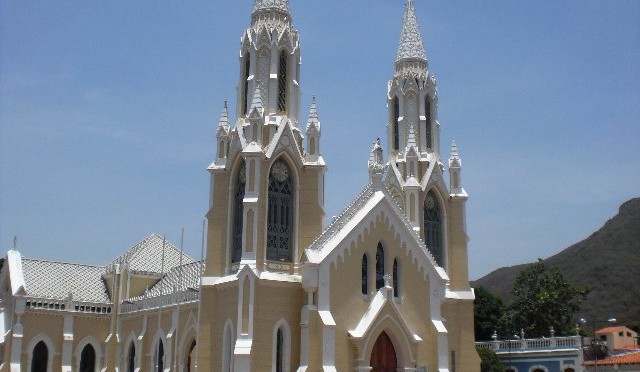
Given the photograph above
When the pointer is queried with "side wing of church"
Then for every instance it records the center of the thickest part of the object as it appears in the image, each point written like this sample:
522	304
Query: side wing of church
383	287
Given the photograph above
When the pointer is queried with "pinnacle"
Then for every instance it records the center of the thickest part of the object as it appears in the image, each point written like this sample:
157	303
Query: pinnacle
411	46
257	98
224	116
313	120
411	141
279	5
454	150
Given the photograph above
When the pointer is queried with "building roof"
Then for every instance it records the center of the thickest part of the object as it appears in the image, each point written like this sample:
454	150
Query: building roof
147	256
180	278
56	280
615	329
629	358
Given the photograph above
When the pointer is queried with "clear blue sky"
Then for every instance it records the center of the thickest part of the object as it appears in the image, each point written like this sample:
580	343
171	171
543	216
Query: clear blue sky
108	113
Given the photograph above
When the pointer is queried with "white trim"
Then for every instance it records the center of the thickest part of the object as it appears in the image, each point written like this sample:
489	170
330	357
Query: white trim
228	342
89	340
132	339
283	326
50	350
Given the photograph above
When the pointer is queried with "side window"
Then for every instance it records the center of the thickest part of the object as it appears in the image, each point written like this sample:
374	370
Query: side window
379	267
365	274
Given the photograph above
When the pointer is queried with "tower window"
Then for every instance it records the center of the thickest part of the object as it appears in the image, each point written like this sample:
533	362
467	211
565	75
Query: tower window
280	213
282	82
238	217
247	71
433	227
429	127
365	274
379	267
396	123
396	284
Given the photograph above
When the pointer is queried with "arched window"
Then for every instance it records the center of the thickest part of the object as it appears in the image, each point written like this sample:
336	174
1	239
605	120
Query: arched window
282	82
396	123
433	227
365	274
569	370
396	284
131	358
88	359
40	357
245	91
429	127
379	267
280	351
159	358
238	214
227	348
280	213
191	356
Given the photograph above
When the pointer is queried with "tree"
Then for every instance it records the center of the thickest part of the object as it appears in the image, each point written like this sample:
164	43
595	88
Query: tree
488	312
490	362
543	299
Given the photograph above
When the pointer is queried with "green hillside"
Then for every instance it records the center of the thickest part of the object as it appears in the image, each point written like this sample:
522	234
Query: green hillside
607	263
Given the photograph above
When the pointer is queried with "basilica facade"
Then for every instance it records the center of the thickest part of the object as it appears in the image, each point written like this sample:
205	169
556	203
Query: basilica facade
383	287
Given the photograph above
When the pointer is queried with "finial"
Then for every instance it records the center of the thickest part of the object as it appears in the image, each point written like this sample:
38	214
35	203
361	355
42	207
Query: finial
376	166
15	243
313	122
411	46
224	117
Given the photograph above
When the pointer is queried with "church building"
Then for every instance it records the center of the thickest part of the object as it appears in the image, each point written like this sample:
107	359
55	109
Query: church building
383	287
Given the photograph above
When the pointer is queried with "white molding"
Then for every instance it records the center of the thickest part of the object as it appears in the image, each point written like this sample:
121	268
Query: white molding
16	274
153	353
228	342
137	361
51	351
286	348
89	340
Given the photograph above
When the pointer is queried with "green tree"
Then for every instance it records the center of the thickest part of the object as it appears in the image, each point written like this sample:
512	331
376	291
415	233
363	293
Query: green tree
488	314
490	362
543	299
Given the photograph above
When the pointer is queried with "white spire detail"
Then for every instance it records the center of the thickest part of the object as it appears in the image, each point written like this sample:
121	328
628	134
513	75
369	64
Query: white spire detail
411	46
411	141
223	123
313	123
281	5
256	104
454	160
376	162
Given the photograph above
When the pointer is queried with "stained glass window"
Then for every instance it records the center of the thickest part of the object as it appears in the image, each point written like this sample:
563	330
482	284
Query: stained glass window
429	127
365	274
247	71
396	284
396	123
280	213
433	227
238	214
282	82
379	267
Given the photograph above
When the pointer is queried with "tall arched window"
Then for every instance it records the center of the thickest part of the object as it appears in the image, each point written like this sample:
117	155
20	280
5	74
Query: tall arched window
396	123
280	213
131	358
365	274
379	267
40	357
238	214
280	351
159	359
245	83
191	356
282	82
429	127
88	359
433	227
227	348
396	284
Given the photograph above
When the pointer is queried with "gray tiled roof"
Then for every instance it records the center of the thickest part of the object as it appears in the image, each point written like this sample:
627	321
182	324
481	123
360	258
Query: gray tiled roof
179	278
146	256
55	280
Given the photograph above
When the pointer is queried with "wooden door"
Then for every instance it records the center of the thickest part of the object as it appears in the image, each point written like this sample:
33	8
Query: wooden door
383	356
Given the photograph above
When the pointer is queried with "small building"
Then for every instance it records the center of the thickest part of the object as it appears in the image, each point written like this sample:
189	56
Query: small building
625	362
554	354
619	337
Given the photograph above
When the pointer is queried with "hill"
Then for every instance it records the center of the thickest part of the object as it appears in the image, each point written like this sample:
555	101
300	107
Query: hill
607	263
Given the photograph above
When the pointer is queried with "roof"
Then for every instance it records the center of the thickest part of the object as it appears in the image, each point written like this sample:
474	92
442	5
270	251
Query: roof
56	280
616	329
410	46
629	358
180	278
154	254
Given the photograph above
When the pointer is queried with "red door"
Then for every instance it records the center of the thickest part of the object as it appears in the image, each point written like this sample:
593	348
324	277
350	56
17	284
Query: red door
383	356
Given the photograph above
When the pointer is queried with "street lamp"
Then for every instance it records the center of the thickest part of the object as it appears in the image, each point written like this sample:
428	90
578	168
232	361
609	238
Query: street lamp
594	342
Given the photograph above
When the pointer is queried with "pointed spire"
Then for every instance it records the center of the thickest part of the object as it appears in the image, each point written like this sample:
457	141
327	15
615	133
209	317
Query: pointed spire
278	5
257	98
411	141
454	159
411	46
224	117
313	123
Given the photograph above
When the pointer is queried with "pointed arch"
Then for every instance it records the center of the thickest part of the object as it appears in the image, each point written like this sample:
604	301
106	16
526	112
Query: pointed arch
396	278
538	368
281	355
245	83
380	266
238	212
282	81
186	349
365	274
132	356
383	355
85	362
41	350
433	227
161	352
228	340
280	212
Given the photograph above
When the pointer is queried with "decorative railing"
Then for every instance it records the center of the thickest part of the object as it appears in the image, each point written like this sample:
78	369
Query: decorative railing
67	305
160	301
572	342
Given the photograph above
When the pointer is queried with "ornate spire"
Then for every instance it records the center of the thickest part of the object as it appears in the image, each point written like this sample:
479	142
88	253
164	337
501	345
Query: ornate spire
376	165
411	141
410	46
313	123
224	118
256	104
277	5
454	160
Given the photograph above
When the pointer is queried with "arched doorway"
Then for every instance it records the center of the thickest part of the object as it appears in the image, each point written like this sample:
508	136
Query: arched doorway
383	355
